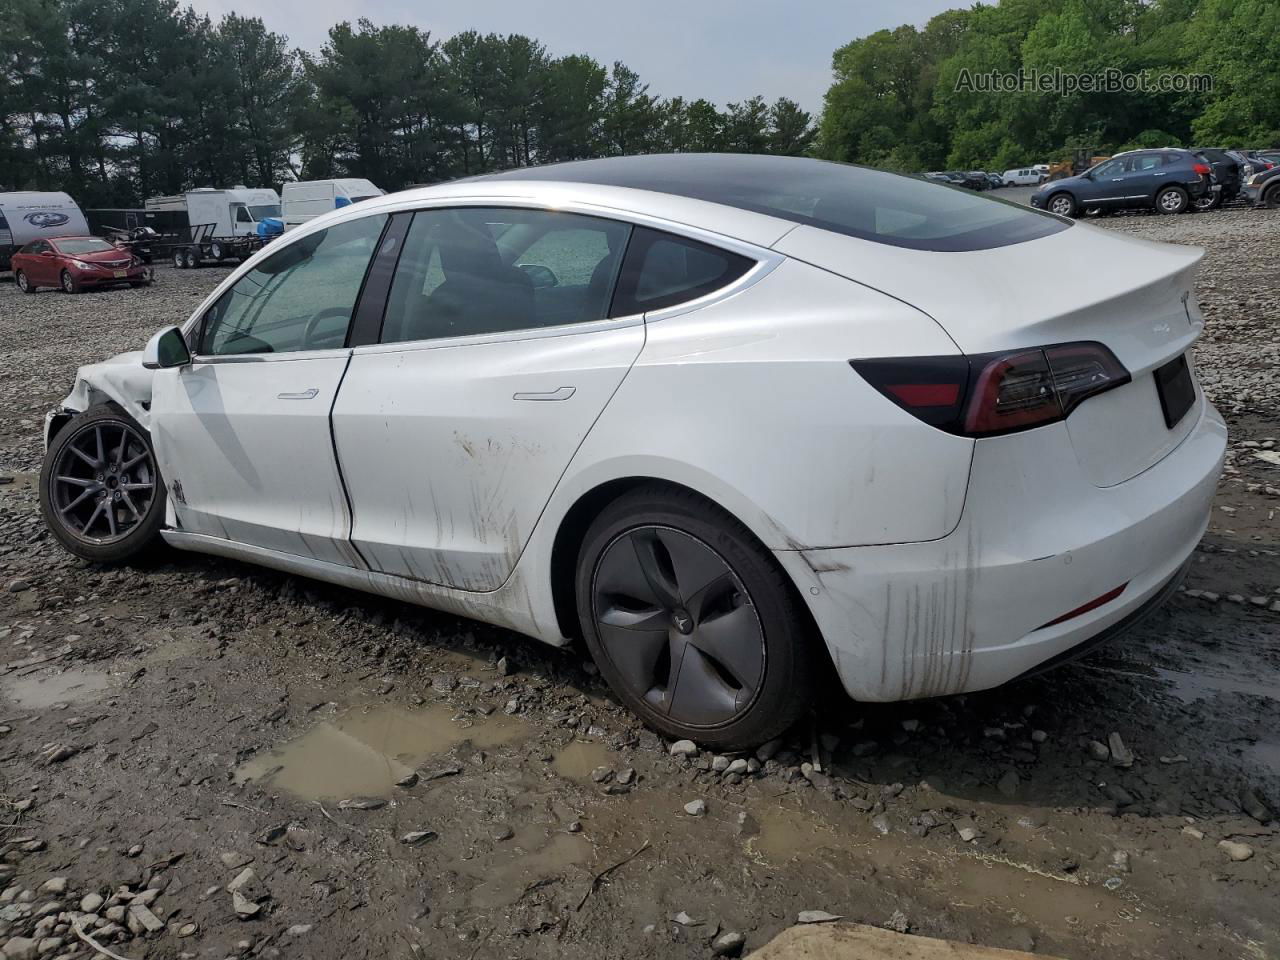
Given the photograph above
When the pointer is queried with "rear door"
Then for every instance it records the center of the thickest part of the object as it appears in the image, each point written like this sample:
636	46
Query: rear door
242	433
495	357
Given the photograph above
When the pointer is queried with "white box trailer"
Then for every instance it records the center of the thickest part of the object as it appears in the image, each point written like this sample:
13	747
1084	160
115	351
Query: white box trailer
220	224
305	199
28	215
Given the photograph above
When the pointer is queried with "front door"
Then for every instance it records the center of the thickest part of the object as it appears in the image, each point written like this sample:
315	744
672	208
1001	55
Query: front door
242	433
496	357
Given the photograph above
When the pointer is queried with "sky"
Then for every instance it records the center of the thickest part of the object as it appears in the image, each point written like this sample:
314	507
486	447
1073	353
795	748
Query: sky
723	50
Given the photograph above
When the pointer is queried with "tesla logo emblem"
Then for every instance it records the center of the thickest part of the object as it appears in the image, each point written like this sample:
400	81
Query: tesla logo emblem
683	622
46	219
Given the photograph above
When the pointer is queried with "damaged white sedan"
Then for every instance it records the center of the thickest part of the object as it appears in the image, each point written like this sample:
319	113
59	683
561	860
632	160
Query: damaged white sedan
731	420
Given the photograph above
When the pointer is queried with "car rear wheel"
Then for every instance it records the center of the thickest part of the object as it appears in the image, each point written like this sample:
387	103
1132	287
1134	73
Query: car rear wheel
100	491
691	621
1063	204
69	284
24	282
1271	199
1171	200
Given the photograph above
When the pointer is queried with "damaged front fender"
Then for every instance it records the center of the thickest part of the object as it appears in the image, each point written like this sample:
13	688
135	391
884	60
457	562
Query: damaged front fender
121	380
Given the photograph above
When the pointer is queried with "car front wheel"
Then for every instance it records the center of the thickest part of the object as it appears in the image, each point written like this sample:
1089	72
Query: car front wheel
1171	200
100	491
69	284
1271	199
1063	204
691	621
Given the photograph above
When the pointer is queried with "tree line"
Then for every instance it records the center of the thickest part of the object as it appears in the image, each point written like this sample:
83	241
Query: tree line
905	98
117	100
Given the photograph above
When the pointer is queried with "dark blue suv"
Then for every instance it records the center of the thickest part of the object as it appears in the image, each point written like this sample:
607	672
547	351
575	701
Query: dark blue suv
1168	181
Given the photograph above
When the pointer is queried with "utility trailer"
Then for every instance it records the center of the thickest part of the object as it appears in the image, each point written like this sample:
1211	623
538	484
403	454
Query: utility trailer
197	246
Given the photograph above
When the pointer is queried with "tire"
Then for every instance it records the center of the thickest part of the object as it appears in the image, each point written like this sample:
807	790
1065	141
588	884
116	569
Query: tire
1210	201
704	639
78	519
1271	199
1172	200
179	259
216	251
1010	183
24	282
1063	204
68	282
193	258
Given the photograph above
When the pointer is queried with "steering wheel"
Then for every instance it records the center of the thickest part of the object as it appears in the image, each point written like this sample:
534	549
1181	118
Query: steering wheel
314	322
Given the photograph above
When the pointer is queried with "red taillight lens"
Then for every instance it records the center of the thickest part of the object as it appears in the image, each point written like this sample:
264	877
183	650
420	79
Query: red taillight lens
996	393
1202	169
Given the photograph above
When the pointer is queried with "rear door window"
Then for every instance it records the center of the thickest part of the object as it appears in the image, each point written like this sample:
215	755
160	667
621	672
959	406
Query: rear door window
482	270
662	270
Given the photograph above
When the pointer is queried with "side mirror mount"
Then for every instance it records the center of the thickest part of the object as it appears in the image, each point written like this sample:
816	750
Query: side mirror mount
166	349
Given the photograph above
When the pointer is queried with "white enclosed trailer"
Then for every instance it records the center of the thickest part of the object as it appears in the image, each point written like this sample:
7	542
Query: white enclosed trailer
27	216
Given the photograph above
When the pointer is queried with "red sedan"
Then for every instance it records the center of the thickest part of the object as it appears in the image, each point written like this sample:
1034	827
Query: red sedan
75	264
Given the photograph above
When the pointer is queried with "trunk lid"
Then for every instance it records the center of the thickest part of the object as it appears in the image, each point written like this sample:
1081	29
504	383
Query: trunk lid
1083	283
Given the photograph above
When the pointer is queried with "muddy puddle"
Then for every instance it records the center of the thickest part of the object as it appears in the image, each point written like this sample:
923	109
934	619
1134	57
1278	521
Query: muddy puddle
1190	687
578	758
45	688
365	752
1020	891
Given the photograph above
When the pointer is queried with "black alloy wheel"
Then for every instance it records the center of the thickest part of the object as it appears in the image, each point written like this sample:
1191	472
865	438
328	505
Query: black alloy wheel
679	625
692	621
100	490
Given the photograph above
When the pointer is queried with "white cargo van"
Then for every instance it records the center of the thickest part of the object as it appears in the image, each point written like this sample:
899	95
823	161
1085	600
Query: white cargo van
305	199
1022	177
27	216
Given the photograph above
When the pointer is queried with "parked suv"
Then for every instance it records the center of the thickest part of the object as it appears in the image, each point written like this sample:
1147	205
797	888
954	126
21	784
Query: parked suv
1263	188
1226	171
1168	180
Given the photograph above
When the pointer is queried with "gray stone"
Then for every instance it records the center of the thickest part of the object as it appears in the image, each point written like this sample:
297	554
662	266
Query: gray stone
601	774
1236	851
684	748
54	885
505	667
1121	756
1099	751
21	948
415	837
148	920
720	764
738	766
243	906
816	916
1009	783
298	929
695	808
90	903
728	944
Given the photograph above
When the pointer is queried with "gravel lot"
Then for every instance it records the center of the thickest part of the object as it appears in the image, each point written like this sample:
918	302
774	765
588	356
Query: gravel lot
203	759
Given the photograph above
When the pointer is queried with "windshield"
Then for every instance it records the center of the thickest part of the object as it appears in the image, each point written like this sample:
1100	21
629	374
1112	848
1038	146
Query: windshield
890	208
84	245
262	211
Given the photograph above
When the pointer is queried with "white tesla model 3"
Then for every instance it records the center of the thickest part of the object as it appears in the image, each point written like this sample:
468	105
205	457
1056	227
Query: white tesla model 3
731	420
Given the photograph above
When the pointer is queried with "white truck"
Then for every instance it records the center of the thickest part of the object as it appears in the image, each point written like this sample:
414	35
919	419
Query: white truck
221	224
27	216
304	199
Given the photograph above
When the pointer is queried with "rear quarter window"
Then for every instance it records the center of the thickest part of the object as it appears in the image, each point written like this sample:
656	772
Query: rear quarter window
663	270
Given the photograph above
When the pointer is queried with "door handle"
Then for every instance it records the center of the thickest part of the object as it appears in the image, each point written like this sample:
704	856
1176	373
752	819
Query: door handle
301	395
563	393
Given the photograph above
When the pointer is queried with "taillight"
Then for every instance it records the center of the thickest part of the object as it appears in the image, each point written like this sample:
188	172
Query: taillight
995	393
1202	169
